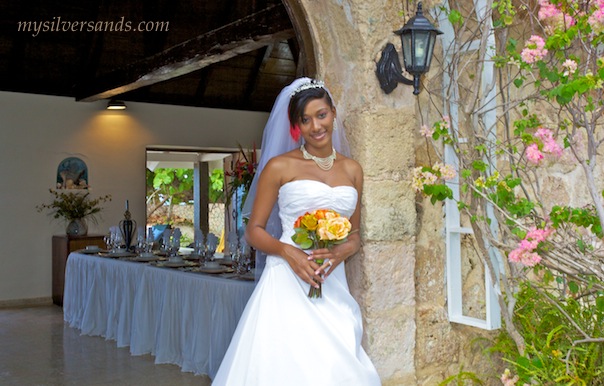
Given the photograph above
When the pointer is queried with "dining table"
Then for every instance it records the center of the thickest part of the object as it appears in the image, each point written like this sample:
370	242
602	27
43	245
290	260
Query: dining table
178	315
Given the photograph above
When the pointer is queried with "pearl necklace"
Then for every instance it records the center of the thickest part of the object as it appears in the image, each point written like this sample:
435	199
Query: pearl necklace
324	163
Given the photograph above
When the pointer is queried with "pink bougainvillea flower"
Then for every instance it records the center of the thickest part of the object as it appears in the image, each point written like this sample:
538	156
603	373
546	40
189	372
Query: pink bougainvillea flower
570	66
533	154
426	131
447	172
553	17
550	145
534	50
547	10
508	379
596	19
525	253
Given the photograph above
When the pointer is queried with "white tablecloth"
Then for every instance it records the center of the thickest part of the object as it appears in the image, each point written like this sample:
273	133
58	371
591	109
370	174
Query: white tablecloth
183	318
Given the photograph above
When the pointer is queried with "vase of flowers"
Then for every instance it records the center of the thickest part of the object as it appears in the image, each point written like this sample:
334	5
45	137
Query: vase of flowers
241	175
75	208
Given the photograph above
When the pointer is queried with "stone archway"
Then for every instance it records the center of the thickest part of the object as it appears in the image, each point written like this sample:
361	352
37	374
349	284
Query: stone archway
341	42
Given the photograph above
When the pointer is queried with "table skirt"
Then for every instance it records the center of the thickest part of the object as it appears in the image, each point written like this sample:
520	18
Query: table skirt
181	318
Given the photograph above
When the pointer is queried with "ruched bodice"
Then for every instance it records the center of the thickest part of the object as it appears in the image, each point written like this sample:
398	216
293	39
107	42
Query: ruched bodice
285	338
300	196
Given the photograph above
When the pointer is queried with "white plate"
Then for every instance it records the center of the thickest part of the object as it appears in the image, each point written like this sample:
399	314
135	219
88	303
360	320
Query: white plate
146	258
90	252
214	270
121	254
174	264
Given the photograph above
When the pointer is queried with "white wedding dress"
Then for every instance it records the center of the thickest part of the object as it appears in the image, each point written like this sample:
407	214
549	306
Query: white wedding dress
285	338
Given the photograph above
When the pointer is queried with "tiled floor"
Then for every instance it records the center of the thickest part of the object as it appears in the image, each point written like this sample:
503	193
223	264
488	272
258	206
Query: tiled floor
38	348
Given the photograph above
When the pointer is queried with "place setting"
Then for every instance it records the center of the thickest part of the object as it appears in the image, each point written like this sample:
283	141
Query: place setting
144	247
116	245
205	255
169	255
238	263
92	250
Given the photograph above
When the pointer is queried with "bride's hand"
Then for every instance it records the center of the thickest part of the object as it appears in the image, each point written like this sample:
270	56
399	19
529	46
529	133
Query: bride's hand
330	260
303	267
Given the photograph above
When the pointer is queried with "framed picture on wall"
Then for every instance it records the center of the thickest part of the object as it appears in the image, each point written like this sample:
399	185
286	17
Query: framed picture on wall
72	173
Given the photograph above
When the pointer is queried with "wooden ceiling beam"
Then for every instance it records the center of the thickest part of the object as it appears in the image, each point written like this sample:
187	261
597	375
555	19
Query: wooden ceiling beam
260	29
253	80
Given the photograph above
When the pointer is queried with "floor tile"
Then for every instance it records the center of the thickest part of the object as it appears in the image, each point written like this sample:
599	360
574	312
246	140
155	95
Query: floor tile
39	349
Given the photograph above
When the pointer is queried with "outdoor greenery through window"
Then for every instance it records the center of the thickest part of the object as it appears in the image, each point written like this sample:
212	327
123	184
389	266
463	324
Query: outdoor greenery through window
169	198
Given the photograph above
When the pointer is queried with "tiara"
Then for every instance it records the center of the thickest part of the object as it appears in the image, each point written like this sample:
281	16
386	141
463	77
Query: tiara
308	86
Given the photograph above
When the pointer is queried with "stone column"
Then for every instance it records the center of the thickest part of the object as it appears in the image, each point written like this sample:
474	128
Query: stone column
348	39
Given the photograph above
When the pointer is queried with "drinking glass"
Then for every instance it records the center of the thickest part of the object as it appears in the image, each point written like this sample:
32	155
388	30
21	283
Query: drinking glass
211	245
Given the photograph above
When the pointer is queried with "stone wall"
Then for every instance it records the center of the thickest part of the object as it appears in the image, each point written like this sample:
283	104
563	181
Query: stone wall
398	277
348	38
183	217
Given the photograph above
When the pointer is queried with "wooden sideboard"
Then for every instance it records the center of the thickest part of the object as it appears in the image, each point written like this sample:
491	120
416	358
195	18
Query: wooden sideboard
62	246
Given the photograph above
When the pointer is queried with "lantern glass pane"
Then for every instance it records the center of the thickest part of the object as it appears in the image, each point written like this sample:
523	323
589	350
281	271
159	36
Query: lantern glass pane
430	50
422	40
406	43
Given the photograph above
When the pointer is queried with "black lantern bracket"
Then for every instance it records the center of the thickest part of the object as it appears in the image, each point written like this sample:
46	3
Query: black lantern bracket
417	40
389	70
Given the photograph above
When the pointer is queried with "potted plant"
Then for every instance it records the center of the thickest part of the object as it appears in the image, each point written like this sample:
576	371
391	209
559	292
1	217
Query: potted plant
75	208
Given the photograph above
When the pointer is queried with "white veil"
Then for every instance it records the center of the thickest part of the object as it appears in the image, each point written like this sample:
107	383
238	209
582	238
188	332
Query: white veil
276	140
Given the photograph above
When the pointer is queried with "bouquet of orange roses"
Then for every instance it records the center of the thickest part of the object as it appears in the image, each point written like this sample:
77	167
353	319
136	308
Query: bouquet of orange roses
321	228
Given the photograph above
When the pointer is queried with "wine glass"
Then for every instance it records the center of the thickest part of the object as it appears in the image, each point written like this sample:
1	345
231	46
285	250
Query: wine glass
211	245
232	241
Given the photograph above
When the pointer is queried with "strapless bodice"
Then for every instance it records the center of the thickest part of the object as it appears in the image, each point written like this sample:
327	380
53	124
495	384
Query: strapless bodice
300	196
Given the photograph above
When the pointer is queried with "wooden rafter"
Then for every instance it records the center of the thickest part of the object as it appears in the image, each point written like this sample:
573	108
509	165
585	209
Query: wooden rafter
247	34
257	69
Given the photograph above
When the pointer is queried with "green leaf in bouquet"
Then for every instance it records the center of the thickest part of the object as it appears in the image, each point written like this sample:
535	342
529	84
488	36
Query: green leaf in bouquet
302	238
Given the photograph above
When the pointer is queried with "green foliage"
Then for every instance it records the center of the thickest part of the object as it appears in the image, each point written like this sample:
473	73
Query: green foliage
455	17
74	205
302	237
551	97
505	11
438	192
583	217
462	378
547	317
176	184
216	185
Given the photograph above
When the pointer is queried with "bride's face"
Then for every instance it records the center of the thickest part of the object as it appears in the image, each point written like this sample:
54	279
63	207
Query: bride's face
316	124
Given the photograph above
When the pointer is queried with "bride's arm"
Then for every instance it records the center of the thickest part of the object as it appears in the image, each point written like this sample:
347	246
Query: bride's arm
255	232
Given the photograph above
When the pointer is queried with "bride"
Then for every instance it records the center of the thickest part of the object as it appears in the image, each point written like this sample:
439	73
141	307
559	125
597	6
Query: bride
284	337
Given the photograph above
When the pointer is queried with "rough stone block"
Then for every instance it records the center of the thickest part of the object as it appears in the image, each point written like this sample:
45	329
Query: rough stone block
389	271
391	342
440	345
388	210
